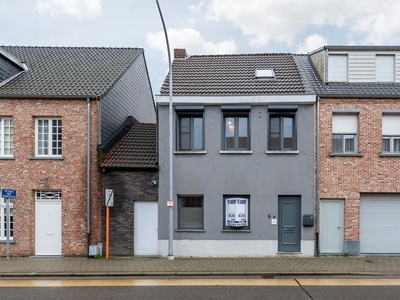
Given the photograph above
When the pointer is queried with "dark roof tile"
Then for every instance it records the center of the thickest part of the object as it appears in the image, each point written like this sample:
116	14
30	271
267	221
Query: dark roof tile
137	149
68	71
234	75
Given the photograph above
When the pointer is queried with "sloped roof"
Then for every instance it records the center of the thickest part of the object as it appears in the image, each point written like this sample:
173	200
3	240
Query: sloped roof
137	149
235	75
346	89
67	71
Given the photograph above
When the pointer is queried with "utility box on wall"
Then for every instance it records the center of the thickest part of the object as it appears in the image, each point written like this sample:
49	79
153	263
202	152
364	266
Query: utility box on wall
308	220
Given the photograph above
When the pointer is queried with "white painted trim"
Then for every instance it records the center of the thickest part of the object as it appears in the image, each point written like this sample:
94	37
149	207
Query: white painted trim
230	248
251	99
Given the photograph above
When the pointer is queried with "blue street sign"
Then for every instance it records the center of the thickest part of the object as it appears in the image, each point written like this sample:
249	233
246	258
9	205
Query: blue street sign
8	193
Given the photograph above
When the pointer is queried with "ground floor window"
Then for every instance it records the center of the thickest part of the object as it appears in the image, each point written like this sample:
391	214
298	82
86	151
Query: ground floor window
190	212
236	212
3	219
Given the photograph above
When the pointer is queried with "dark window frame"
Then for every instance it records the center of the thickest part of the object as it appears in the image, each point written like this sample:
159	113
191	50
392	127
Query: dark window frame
224	225
236	138
191	115
282	116
179	212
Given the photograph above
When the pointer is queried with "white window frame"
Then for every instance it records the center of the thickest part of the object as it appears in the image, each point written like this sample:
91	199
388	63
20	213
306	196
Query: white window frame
338	68
390	132
6	137
345	126
384	68
49	147
48	195
3	214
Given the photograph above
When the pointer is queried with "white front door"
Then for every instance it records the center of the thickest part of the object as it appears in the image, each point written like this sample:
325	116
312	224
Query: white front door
146	229
48	227
331	234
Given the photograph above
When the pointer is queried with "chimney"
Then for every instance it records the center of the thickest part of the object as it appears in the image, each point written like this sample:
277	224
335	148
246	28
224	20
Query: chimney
179	53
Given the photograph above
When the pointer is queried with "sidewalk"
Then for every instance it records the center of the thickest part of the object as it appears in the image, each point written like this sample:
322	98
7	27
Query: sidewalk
269	266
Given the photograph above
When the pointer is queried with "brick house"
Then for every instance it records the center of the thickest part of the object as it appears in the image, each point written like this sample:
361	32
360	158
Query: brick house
57	105
243	162
358	138
130	169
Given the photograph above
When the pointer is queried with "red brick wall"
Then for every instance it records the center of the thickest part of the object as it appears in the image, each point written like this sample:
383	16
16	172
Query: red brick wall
67	175
347	177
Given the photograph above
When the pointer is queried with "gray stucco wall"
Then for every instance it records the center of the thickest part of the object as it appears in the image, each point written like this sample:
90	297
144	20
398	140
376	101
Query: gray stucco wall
262	176
129	186
131	96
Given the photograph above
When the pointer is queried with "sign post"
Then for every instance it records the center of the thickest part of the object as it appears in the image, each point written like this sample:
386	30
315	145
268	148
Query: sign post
109	202
8	194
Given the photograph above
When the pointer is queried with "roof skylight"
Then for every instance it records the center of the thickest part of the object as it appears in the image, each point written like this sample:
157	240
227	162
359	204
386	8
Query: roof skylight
265	73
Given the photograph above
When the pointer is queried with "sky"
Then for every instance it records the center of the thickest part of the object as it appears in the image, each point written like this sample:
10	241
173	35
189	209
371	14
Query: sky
199	26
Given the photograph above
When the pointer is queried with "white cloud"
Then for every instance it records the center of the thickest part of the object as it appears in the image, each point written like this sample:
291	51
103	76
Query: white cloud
312	42
79	9
189	39
375	21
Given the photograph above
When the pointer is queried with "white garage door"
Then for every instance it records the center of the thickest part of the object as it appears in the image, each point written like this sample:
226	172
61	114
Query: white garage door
380	224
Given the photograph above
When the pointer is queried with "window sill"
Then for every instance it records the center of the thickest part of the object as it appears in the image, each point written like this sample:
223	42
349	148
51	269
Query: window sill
5	242
195	152
346	154
388	154
7	157
190	230
282	152
236	230
236	152
45	157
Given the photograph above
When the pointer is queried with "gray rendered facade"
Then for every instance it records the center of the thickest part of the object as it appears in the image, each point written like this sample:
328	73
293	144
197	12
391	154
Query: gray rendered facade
264	176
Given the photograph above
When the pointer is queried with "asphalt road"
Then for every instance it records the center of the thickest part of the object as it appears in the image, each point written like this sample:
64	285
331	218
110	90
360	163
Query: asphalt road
122	288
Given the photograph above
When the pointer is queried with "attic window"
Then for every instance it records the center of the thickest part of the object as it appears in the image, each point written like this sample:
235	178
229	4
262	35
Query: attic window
265	73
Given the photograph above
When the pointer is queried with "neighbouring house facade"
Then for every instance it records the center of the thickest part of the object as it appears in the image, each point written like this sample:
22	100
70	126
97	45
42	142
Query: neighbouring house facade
358	157
243	161
130	171
57	105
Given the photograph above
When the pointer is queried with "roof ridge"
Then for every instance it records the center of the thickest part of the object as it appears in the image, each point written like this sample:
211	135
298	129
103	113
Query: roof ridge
239	54
71	47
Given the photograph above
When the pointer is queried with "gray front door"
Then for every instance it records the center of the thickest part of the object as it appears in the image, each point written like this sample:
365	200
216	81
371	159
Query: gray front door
289	224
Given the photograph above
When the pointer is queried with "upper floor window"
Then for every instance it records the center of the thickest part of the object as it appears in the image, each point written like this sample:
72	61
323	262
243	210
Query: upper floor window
190	212
338	67
236	131
391	134
48	137
384	68
190	128
6	137
344	133
3	219
281	133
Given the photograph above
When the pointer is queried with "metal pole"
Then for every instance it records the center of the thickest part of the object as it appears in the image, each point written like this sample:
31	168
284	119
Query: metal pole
107	231
171	196
8	226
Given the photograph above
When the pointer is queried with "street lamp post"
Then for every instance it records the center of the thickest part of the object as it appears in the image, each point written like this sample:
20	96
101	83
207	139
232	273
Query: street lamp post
170	207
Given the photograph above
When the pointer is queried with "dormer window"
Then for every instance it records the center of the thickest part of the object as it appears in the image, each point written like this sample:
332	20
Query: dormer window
384	68
265	73
337	68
